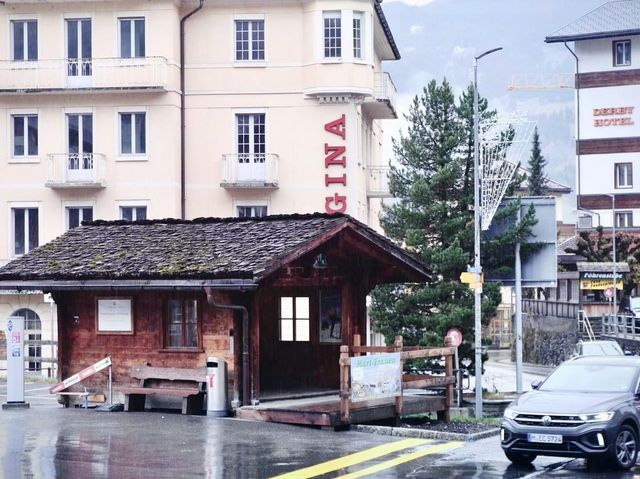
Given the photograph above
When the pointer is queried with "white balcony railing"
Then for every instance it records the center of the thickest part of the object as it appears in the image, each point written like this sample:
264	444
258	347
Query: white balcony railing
259	170
378	182
76	170
84	74
383	103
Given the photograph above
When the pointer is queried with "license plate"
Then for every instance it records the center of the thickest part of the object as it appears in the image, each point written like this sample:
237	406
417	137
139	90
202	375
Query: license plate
545	438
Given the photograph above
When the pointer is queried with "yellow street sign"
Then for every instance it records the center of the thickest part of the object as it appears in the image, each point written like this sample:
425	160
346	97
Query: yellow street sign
471	278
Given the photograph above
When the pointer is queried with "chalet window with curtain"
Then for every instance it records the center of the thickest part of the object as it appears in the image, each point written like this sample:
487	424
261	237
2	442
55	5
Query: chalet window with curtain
181	324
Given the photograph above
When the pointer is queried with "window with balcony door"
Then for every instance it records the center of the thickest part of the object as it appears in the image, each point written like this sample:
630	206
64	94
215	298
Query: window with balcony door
181	324
133	213
24	35
332	23
294	318
132	37
249	40
624	175
79	48
133	133
357	35
77	214
80	161
622	53
25	135
24	230
251	211
624	219
251	146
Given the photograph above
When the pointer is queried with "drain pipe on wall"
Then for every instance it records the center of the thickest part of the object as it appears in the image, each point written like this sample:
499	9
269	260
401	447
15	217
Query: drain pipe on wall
183	143
247	393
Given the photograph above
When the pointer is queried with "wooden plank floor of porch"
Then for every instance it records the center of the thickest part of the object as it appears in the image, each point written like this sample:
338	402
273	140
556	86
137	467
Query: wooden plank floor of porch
325	410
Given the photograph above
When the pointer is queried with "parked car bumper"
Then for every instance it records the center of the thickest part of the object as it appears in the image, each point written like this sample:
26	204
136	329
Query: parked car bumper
581	441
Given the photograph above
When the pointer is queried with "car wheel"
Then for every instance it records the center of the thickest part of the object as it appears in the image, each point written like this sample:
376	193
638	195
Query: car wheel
520	458
625	448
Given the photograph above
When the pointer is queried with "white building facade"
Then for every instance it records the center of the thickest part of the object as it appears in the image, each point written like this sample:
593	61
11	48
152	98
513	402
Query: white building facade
606	43
136	110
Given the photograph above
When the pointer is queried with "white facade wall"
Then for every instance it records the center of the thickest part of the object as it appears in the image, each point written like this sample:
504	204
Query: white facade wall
295	87
597	55
608	114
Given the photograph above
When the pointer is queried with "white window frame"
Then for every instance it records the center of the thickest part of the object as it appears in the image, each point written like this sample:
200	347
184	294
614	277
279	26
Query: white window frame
627	59
81	218
133	154
131	204
11	219
25	47
332	14
249	18
131	18
295	319
624	219
360	17
627	175
253	207
26	158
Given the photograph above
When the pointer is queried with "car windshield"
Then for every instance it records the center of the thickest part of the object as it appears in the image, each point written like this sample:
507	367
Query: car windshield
598	349
575	376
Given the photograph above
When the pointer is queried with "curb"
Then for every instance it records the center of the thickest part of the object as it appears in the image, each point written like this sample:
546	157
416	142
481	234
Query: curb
424	433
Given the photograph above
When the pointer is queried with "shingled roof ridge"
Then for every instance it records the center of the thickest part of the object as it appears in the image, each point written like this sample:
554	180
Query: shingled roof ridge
212	220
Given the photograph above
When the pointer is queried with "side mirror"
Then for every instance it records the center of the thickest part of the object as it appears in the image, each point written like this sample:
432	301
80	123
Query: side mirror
536	384
628	353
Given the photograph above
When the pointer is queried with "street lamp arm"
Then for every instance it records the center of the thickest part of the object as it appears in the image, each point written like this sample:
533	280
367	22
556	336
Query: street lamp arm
484	54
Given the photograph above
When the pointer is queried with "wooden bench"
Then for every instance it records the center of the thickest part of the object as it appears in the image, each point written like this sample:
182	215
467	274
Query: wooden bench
188	384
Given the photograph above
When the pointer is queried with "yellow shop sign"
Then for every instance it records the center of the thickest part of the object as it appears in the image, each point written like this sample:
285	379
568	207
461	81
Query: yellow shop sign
598	284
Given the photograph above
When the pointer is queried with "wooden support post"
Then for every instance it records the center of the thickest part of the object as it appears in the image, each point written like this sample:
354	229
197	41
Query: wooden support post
345	391
399	400
357	341
448	371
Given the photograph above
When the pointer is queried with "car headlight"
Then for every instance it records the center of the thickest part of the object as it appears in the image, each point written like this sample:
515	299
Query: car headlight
596	417
510	413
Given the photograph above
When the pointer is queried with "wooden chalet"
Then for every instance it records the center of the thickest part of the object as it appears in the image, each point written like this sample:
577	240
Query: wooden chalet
275	297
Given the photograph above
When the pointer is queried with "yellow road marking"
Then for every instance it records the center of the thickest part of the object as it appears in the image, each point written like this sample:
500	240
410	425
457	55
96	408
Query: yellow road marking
352	459
401	460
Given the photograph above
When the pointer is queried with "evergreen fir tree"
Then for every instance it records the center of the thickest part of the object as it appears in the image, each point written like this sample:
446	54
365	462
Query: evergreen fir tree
537	181
433	217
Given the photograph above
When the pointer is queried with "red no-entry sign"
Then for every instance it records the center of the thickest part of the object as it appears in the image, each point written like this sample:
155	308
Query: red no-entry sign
455	336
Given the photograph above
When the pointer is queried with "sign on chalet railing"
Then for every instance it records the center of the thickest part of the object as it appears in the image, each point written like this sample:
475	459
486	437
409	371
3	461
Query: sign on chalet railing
376	376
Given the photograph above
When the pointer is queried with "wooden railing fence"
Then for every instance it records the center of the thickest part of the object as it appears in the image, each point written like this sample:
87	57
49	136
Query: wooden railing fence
413	381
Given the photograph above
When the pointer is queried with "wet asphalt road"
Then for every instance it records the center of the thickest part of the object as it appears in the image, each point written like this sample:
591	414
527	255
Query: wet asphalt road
48	441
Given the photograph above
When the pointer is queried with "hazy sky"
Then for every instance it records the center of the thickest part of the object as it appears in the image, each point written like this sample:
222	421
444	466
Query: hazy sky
439	38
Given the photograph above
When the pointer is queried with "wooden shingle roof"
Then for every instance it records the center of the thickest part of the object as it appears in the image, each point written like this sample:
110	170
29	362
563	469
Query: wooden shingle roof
204	248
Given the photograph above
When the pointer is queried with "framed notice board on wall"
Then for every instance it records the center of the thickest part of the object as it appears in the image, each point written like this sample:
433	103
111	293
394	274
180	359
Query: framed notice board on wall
114	316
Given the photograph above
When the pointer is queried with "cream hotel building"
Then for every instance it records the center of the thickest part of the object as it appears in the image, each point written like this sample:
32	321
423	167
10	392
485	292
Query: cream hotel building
184	108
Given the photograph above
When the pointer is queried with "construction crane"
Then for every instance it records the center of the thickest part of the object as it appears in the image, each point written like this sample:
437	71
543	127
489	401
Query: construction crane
541	81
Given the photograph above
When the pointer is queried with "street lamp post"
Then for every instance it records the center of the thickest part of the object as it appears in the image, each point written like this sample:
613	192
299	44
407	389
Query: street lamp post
615	263
477	268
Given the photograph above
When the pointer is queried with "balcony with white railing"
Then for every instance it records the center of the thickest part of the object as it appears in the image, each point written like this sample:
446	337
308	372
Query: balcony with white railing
135	74
383	103
378	182
251	170
76	170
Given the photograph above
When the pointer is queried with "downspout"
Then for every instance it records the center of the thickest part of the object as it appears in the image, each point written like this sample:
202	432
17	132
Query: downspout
183	143
577	127
246	380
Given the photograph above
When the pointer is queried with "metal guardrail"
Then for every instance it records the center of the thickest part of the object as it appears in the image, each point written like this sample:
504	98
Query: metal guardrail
561	309
251	170
74	170
384	88
625	326
584	325
378	181
84	74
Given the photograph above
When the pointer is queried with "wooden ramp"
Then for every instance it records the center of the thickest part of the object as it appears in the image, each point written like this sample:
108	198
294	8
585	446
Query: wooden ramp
325	411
